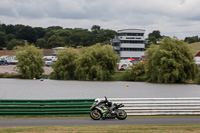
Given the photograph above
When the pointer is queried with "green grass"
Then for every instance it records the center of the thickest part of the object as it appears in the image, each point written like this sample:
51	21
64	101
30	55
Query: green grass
44	117
104	129
118	76
87	117
195	47
5	75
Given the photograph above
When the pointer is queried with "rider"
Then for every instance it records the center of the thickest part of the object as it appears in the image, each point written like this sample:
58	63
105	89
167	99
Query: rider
105	106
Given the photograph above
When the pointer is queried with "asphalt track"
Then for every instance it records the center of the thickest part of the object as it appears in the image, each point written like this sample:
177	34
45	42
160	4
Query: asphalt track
87	121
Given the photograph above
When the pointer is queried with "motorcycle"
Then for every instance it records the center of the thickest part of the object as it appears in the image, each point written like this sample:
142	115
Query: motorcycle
99	107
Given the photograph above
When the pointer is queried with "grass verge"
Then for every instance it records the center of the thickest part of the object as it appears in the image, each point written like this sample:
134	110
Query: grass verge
87	117
195	47
6	75
105	129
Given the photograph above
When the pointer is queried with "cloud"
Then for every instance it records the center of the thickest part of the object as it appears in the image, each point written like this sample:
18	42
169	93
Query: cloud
99	9
112	14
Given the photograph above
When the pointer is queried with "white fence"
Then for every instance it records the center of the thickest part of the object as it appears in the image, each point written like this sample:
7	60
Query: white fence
159	106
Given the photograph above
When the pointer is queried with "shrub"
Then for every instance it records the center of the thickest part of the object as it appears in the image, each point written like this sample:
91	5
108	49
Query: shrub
30	62
65	66
171	62
197	80
135	73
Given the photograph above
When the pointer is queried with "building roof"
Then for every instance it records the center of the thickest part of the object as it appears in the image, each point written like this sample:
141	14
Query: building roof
46	52
197	55
7	52
131	30
59	48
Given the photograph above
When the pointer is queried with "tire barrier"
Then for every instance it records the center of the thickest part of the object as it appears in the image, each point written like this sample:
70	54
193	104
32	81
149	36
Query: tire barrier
58	107
159	106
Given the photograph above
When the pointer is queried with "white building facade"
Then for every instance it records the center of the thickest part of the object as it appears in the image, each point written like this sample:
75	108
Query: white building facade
129	43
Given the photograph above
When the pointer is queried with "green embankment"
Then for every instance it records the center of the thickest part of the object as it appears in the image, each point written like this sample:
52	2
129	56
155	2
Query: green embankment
105	129
195	47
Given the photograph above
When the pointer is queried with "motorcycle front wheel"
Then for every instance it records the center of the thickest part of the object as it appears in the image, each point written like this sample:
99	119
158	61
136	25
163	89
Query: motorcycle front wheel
95	114
121	115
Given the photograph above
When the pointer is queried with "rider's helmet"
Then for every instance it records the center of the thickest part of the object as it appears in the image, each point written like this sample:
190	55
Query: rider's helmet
109	104
97	100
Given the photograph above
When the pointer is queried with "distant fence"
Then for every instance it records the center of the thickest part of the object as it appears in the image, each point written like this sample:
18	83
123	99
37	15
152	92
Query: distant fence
160	106
78	107
60	107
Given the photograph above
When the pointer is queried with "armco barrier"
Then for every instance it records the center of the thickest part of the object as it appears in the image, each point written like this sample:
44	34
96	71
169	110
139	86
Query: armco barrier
160	106
67	107
59	107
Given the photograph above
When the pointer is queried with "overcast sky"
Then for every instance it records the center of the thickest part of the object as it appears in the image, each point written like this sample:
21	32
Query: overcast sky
179	18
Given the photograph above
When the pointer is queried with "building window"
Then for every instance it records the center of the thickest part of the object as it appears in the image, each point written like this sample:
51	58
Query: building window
130	34
131	41
116	44
131	49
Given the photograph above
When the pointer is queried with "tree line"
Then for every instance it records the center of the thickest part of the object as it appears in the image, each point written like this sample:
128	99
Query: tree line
169	62
97	62
57	36
155	37
53	36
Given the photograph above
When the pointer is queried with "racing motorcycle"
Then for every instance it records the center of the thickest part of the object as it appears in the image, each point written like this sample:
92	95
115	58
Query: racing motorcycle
105	109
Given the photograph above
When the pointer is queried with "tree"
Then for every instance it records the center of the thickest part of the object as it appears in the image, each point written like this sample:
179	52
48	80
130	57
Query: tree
54	28
55	41
155	33
40	42
95	29
10	29
192	39
105	35
65	67
171	62
30	62
10	37
153	38
96	63
56	36
3	41
15	42
27	33
91	63
3	27
40	32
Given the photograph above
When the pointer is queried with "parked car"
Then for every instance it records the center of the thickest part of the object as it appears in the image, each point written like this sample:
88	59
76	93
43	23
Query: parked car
3	62
49	58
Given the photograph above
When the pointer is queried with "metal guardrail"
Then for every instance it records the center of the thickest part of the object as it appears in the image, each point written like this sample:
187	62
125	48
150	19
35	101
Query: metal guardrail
160	106
59	107
77	107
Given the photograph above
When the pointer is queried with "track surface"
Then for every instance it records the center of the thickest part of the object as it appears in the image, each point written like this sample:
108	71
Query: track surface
128	121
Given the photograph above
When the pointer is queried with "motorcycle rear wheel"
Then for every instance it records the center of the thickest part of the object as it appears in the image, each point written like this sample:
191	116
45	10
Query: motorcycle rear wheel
121	115
95	114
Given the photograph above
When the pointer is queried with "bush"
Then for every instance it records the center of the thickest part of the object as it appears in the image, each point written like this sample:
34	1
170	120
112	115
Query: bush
65	66
117	76
136	73
197	80
30	62
5	75
171	62
96	63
